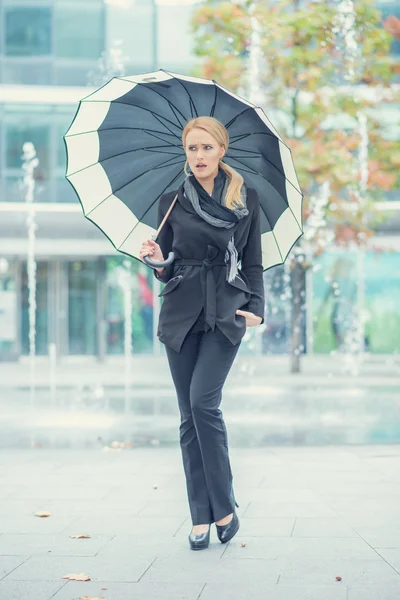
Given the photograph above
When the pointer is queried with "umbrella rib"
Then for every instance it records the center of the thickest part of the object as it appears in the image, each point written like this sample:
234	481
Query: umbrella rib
275	167
158	118
170	143
238	115
131	181
287	202
251	157
151	205
171	104
271	134
246	135
189	96
167	186
215	99
100	162
155	115
247	151
150	131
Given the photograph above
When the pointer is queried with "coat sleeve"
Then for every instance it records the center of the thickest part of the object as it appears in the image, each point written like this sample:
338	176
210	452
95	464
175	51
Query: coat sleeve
164	240
252	263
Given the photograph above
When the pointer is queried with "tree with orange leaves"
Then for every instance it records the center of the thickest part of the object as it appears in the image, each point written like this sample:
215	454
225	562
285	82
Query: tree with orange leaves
322	67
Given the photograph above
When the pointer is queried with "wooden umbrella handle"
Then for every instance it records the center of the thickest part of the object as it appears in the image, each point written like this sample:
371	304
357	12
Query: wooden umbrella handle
171	256
165	217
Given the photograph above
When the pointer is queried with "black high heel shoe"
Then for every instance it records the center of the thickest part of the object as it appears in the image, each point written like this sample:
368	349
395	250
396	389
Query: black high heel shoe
226	532
199	541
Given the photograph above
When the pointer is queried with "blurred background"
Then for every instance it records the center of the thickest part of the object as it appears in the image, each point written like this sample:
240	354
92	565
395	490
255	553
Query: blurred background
78	320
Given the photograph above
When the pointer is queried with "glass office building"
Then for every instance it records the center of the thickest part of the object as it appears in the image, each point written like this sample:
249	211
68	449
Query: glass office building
47	61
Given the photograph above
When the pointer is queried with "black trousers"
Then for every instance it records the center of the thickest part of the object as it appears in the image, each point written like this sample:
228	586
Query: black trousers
199	372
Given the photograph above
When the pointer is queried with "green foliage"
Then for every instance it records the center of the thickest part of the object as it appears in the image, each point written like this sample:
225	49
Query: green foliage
310	79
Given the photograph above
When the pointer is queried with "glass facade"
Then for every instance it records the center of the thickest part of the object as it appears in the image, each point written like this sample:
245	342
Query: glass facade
47	42
8	309
72	22
28	31
349	283
82	307
82	303
44	126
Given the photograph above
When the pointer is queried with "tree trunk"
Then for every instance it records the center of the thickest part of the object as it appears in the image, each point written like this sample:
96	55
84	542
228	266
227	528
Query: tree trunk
298	284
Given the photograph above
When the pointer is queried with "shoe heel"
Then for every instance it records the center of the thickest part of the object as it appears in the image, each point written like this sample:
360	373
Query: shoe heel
236	504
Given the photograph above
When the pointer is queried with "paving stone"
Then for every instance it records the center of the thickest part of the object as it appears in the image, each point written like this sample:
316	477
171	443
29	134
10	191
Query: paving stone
288	509
78	507
111	524
259	591
56	545
198	568
29	590
380	536
70	491
308	527
49	568
392	555
9	563
159	508
129	591
33	524
313	571
312	548
373	592
276	494
267	527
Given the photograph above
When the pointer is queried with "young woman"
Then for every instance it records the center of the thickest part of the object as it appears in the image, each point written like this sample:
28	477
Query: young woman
214	291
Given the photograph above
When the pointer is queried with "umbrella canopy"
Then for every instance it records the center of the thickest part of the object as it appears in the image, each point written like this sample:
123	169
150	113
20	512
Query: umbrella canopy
124	150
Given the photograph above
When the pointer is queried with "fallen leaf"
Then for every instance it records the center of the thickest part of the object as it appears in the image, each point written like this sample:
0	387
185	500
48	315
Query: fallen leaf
42	514
78	536
244	544
77	577
338	578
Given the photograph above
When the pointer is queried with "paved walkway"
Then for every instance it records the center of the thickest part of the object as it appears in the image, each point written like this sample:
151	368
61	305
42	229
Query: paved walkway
308	516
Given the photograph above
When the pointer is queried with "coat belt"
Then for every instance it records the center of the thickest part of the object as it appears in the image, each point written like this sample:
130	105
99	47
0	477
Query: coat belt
208	284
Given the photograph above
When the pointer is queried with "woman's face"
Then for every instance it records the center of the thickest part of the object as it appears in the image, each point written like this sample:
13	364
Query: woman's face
203	153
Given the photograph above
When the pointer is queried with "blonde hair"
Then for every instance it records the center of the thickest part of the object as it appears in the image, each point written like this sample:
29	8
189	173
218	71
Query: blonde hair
220	134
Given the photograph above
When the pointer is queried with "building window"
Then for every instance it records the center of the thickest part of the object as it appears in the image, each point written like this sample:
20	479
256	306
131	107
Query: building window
82	307
27	129
118	271
28	31
21	128
79	31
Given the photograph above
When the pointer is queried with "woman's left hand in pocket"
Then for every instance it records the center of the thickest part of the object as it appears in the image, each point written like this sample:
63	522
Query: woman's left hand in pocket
251	318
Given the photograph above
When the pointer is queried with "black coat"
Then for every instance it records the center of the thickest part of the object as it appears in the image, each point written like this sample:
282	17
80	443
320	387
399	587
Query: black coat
197	277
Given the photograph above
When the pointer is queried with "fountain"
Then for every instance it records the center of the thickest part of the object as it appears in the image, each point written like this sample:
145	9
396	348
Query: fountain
352	65
29	164
110	64
124	277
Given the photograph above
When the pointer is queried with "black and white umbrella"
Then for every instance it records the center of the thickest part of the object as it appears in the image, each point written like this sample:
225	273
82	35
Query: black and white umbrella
124	150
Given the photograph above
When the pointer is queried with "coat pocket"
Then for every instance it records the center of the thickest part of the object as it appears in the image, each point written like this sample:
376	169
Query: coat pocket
239	283
171	285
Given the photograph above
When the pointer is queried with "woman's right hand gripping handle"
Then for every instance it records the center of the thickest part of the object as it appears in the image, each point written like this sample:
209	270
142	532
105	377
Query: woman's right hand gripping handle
153	250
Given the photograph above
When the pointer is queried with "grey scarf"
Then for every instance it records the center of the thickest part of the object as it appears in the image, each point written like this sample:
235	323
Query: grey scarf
221	184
